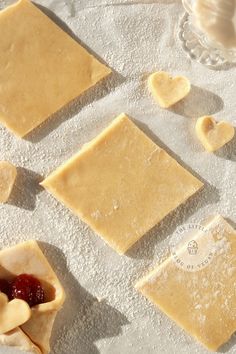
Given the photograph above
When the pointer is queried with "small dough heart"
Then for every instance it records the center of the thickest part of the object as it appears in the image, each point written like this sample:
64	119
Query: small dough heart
213	135
12	314
8	174
167	90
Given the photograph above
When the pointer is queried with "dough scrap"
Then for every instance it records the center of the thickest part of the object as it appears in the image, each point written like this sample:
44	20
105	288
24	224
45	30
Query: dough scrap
121	184
8	173
213	135
168	90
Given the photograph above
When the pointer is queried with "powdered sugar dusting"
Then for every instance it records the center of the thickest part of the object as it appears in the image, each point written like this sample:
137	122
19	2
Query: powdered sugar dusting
134	38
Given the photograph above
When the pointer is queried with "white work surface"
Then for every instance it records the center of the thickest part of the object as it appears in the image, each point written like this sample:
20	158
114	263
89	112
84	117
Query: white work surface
134	38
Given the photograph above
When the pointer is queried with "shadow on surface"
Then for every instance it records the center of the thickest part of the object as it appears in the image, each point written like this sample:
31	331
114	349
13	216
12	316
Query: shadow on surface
85	320
229	345
144	248
95	93
25	189
198	103
228	151
231	222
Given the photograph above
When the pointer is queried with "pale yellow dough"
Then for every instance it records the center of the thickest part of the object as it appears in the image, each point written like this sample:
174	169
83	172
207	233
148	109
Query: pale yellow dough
213	135
121	184
19	340
35	333
42	68
8	173
202	302
168	90
13	313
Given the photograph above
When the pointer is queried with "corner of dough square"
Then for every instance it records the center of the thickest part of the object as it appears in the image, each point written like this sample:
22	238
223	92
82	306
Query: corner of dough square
121	184
202	302
42	68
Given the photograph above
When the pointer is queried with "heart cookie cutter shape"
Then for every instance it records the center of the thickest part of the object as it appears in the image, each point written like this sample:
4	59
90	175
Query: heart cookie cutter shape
213	135
168	90
12	313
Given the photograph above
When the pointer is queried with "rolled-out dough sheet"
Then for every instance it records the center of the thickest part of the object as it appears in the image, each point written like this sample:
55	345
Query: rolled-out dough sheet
42	68
202	302
122	184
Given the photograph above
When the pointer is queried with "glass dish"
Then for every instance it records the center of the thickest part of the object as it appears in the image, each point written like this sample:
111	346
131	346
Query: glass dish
197	43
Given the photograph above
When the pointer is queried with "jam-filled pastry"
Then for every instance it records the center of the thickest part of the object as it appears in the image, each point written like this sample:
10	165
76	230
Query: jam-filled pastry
30	297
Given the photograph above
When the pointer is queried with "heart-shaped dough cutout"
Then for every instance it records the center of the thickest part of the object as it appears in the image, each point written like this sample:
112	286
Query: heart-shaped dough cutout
13	313
213	135
168	90
8	174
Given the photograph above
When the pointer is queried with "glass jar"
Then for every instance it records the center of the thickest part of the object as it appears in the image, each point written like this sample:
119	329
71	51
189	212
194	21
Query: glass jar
208	31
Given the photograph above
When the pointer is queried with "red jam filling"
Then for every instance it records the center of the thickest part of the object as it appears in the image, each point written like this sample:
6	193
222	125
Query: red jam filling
25	287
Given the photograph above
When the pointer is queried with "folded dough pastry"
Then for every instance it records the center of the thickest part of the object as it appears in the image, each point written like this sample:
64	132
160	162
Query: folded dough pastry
34	335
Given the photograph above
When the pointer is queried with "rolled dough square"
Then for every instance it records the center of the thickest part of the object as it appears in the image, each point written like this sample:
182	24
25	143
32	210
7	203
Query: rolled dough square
202	302
42	68
121	184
